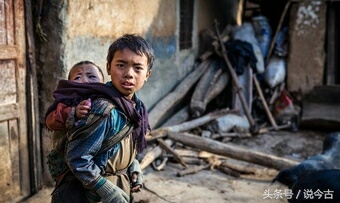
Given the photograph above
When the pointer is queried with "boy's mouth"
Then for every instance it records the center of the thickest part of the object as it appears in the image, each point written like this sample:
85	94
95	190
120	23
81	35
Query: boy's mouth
127	84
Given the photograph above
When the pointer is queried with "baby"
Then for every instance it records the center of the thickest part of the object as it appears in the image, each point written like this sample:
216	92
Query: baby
65	117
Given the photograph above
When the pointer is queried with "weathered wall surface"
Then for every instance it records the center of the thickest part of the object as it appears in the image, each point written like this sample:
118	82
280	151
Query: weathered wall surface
92	25
305	66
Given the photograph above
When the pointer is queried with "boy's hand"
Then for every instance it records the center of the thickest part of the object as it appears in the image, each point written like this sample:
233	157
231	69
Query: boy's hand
83	108
135	187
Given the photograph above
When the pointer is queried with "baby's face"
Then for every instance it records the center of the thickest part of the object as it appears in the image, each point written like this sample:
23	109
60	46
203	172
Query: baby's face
128	71
86	73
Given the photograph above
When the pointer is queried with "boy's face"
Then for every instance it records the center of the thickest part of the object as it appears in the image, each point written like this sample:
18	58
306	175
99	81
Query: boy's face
86	73
129	71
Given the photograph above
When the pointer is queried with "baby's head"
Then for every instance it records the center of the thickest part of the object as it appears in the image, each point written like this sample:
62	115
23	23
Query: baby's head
86	72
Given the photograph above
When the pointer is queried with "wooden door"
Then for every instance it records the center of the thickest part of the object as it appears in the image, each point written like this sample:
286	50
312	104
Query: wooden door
14	153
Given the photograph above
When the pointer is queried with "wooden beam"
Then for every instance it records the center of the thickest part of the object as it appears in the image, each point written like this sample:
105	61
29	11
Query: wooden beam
232	151
157	114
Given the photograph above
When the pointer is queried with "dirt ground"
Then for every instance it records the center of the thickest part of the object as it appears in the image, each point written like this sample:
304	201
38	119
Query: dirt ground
214	186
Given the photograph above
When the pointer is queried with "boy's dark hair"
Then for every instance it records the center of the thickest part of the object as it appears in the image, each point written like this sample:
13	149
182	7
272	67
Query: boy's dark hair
84	63
135	43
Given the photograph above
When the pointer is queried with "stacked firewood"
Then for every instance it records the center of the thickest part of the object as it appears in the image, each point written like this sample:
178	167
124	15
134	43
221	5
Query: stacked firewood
188	149
203	148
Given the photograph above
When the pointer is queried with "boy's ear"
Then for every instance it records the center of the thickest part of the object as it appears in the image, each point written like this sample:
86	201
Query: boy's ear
148	75
108	68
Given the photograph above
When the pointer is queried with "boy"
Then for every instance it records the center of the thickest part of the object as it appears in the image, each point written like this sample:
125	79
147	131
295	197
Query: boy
129	62
64	117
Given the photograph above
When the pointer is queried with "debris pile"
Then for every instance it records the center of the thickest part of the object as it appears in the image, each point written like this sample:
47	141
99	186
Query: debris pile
220	99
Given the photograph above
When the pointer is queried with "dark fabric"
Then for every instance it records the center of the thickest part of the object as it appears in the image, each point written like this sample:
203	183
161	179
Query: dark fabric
69	191
241	54
71	93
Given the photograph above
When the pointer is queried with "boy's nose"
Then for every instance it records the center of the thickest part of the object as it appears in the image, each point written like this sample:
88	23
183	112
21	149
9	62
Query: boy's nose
85	80
128	73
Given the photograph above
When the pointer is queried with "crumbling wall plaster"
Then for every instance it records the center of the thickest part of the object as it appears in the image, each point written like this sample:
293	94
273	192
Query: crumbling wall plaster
114	18
306	57
307	17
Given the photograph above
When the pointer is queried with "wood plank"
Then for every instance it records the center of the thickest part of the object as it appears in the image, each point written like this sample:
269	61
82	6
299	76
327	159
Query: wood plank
20	42
14	154
324	94
8	83
9	111
2	23
10	37
5	166
8	52
14	149
321	116
321	108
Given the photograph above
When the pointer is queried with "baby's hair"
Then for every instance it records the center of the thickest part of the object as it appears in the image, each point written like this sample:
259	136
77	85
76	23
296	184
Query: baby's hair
135	43
84	63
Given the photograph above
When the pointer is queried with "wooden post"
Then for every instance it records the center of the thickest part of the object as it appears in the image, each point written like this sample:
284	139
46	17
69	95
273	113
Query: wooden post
253	126
264	103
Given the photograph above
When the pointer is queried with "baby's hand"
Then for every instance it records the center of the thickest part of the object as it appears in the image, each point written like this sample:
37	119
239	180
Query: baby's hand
135	187
88	102
83	108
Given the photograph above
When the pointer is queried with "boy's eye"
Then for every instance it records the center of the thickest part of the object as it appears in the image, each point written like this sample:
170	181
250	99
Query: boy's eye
92	76
120	65
77	78
138	68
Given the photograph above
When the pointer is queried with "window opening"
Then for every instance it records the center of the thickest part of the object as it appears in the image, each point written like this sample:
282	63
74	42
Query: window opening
186	24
